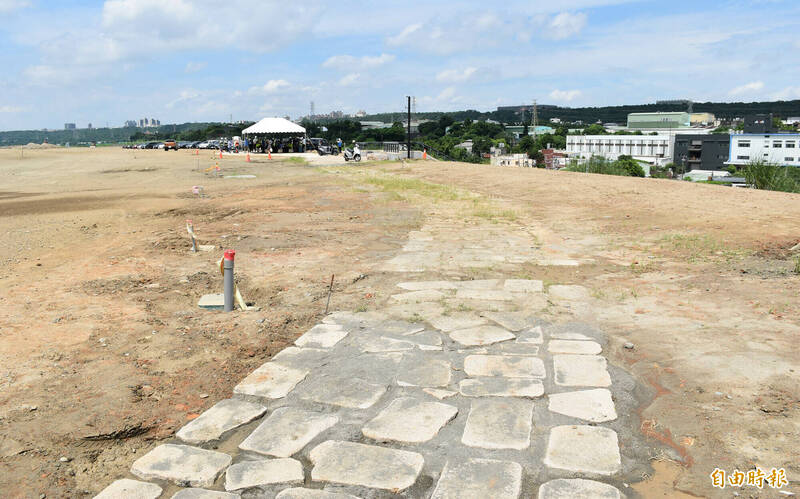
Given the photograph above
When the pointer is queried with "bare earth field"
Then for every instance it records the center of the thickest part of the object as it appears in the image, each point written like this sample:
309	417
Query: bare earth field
103	352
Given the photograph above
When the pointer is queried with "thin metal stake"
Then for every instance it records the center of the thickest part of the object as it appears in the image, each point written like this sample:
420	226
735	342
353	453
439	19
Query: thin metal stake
330	290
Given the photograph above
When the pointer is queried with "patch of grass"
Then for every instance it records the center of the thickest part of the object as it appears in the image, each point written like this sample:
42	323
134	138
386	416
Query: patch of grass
485	210
797	265
295	160
402	186
598	294
362	308
701	248
639	269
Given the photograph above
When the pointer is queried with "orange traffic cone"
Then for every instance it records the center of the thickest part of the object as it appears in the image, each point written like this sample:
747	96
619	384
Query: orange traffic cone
269	155
220	154
248	157
197	152
424	154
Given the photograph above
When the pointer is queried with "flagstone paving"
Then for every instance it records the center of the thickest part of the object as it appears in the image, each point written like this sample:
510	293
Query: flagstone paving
479	401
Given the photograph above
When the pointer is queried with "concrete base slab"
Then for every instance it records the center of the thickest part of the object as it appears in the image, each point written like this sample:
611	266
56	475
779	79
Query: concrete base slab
479	479
181	464
214	301
581	370
510	366
479	284
132	489
574	347
514	348
286	431
481	335
222	417
271	380
248	474
501	387
577	488
350	463
301	358
352	392
591	405
497	423
583	449
321	336
409	420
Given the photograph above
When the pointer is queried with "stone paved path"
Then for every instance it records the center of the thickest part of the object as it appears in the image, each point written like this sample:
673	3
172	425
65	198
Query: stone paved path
457	389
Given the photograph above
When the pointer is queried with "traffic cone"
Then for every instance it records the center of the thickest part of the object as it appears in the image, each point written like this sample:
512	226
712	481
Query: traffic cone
248	157
269	155
424	154
220	154
197	152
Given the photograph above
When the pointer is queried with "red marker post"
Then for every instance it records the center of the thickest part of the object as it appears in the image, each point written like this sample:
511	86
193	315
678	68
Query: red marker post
227	273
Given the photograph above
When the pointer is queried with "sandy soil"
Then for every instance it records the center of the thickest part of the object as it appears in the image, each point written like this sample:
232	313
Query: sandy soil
103	351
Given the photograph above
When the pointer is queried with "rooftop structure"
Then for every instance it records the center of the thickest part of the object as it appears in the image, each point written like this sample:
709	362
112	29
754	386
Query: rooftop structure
639	121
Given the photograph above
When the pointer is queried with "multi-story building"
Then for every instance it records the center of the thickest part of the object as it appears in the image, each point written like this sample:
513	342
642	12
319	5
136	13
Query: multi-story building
778	148
701	151
70	126
702	119
649	121
656	149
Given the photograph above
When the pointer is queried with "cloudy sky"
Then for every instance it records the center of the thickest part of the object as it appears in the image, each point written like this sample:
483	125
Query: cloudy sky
201	60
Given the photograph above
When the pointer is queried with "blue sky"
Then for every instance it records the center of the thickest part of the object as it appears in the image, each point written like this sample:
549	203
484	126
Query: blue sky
202	60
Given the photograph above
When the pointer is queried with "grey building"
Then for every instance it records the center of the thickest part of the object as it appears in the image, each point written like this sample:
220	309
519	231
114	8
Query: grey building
701	152
759	123
69	126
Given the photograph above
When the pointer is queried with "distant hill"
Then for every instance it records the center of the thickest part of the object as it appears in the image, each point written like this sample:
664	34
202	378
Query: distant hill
612	114
86	135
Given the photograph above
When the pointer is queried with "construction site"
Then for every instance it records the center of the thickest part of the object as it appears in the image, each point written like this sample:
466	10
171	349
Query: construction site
410	328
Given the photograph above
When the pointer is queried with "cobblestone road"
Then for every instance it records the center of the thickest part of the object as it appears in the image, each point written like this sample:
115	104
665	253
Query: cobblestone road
457	389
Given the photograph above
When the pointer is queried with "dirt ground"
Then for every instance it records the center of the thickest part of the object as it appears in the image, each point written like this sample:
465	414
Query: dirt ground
103	351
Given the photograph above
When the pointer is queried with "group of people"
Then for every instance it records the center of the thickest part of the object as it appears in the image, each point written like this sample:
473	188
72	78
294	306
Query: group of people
264	145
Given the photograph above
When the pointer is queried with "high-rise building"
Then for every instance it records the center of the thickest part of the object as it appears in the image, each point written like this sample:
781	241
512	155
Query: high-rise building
70	126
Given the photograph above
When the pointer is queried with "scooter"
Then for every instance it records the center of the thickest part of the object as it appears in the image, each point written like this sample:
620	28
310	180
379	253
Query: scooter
352	154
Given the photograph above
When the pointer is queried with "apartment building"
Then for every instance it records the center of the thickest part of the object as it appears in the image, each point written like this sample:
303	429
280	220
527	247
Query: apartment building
778	148
656	149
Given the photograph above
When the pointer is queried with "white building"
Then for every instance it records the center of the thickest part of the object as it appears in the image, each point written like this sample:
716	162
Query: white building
656	149
778	148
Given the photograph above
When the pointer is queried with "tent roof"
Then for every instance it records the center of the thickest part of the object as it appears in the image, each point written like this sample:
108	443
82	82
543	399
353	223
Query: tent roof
274	125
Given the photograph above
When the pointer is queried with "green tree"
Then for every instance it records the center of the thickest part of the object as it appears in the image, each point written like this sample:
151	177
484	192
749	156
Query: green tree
630	165
594	129
481	145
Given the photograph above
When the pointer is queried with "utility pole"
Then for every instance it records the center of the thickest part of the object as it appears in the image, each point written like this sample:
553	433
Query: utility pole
408	145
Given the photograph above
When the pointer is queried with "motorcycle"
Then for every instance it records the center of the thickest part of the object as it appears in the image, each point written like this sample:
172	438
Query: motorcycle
352	154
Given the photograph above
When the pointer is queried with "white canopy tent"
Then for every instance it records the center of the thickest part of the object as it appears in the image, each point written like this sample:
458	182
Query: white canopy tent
275	127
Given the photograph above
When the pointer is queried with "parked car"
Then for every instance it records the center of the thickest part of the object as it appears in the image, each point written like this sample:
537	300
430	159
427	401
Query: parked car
169	144
322	146
153	145
204	145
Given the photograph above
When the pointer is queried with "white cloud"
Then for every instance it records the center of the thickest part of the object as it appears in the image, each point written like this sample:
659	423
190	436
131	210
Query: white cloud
747	88
456	75
269	87
565	25
788	93
346	62
349	79
565	95
193	67
11	109
405	36
12	5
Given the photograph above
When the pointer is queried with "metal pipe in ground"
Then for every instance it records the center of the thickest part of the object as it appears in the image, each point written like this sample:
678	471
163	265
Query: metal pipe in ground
227	272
